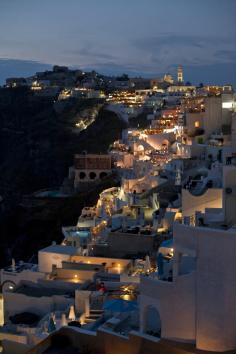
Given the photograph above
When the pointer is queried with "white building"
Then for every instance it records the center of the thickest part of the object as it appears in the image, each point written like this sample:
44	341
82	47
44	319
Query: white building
198	303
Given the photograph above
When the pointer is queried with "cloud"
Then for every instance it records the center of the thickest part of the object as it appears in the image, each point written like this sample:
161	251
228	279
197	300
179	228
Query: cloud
227	55
114	68
191	40
18	68
93	53
168	48
168	39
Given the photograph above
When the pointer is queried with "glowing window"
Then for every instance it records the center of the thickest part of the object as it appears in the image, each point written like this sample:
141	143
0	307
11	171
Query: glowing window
227	105
197	124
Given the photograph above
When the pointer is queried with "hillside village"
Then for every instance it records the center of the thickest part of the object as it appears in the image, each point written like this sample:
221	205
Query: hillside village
146	260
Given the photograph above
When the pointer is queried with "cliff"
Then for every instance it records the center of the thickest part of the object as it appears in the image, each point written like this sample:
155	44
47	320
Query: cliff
37	145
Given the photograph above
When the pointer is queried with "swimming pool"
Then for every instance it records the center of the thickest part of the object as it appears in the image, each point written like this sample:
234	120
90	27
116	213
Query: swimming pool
80	233
51	194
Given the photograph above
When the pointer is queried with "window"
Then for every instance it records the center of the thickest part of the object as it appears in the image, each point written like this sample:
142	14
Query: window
82	175
103	175
92	175
197	124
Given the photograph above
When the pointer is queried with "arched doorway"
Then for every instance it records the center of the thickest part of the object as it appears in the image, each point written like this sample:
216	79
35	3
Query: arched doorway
92	175
82	175
7	285
103	175
165	145
152	321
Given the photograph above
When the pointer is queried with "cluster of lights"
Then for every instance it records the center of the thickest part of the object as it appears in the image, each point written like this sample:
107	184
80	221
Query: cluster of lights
193	105
120	147
108	204
160	159
81	125
125	97
98	228
168	120
152	131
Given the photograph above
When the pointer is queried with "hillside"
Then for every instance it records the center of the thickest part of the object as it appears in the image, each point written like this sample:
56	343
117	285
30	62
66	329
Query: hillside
37	145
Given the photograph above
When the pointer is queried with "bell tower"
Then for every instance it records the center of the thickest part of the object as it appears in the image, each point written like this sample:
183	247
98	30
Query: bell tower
180	75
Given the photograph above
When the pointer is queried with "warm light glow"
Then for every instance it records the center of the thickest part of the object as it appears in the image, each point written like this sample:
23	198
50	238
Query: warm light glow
1	311
71	316
227	105
118	267
178	215
161	229
126	297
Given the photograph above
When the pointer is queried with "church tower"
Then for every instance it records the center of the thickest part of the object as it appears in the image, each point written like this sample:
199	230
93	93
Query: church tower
180	75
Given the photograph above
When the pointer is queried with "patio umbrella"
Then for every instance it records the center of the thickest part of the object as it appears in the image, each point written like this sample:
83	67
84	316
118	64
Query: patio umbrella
63	320
71	316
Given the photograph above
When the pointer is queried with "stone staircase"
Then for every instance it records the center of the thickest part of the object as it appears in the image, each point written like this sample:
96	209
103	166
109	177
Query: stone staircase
93	316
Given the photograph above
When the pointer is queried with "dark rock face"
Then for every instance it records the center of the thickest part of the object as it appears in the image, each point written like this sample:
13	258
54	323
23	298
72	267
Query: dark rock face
37	145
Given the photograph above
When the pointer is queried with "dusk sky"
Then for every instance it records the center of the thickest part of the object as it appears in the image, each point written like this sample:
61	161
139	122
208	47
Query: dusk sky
133	36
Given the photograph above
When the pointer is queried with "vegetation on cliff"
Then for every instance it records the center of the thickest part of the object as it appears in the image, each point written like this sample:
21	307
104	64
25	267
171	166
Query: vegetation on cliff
37	147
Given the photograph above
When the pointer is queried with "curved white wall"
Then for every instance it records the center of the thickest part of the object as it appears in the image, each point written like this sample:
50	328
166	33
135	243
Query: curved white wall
212	198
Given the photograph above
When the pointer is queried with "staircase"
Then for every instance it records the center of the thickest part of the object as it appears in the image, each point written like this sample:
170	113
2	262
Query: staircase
93	316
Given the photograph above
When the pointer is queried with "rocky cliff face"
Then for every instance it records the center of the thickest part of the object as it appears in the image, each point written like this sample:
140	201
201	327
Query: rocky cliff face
37	145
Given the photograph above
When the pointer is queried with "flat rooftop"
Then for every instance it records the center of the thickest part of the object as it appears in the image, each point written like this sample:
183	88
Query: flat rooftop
40	291
70	250
134	230
20	267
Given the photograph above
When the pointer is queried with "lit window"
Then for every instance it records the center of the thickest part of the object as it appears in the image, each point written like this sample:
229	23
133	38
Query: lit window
197	124
227	105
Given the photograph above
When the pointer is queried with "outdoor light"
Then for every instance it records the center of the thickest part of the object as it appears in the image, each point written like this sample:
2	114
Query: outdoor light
71	316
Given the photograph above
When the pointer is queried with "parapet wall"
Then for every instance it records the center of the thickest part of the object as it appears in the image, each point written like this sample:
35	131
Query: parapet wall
212	198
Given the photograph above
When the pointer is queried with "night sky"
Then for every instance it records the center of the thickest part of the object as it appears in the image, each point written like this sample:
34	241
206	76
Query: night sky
147	37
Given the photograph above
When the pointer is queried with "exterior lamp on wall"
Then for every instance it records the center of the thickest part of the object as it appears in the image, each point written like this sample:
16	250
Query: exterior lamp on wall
76	278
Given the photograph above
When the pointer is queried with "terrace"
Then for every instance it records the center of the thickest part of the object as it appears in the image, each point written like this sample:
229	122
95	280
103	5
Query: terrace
37	290
193	105
75	231
20	267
